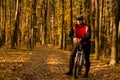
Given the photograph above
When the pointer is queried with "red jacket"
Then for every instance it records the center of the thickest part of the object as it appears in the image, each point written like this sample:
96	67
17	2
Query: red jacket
83	31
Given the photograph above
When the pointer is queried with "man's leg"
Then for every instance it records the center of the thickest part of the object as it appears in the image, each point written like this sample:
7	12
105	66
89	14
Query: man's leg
71	60
87	65
87	59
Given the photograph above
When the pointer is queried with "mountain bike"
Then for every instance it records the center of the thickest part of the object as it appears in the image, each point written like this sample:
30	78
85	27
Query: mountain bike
79	61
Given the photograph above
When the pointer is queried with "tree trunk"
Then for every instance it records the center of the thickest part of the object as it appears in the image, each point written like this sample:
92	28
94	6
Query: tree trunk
45	21
114	53
119	41
118	27
113	60
100	24
42	24
62	33
16	31
53	22
97	30
3	23
32	34
71	14
92	22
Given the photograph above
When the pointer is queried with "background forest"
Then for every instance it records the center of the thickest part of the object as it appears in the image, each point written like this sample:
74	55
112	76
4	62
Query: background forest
47	22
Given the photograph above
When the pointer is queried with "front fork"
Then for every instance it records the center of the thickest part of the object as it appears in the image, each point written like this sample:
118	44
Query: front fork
80	60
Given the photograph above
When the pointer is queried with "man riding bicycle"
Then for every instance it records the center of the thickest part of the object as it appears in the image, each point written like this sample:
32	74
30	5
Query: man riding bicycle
80	34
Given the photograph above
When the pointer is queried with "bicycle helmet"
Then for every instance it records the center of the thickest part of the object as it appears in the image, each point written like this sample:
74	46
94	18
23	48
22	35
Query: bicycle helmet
79	17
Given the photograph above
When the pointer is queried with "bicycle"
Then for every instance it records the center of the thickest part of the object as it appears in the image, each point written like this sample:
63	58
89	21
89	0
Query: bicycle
79	61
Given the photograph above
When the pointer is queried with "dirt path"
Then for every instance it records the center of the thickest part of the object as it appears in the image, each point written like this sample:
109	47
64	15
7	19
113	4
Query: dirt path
47	63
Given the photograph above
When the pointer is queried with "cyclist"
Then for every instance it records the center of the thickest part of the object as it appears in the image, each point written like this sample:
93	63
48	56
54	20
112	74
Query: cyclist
80	34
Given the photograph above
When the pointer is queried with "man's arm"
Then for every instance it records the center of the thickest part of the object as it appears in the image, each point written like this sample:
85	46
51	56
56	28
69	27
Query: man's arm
71	34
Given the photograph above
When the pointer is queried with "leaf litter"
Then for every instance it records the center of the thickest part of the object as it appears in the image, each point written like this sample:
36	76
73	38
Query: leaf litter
48	63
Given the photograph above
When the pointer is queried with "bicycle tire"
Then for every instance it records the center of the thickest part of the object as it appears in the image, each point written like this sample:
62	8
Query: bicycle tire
80	70
76	71
81	66
77	68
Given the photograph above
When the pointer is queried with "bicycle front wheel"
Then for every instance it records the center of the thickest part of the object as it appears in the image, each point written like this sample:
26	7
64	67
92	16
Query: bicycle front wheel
77	67
76	70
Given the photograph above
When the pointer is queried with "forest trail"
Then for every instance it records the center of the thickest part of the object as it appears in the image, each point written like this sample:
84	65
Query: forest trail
48	63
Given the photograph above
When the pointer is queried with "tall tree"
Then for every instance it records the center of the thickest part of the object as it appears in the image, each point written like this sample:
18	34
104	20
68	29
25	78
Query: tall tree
100	23
33	30
97	30
114	52
92	23
3	23
71	14
44	21
52	21
17	32
62	33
